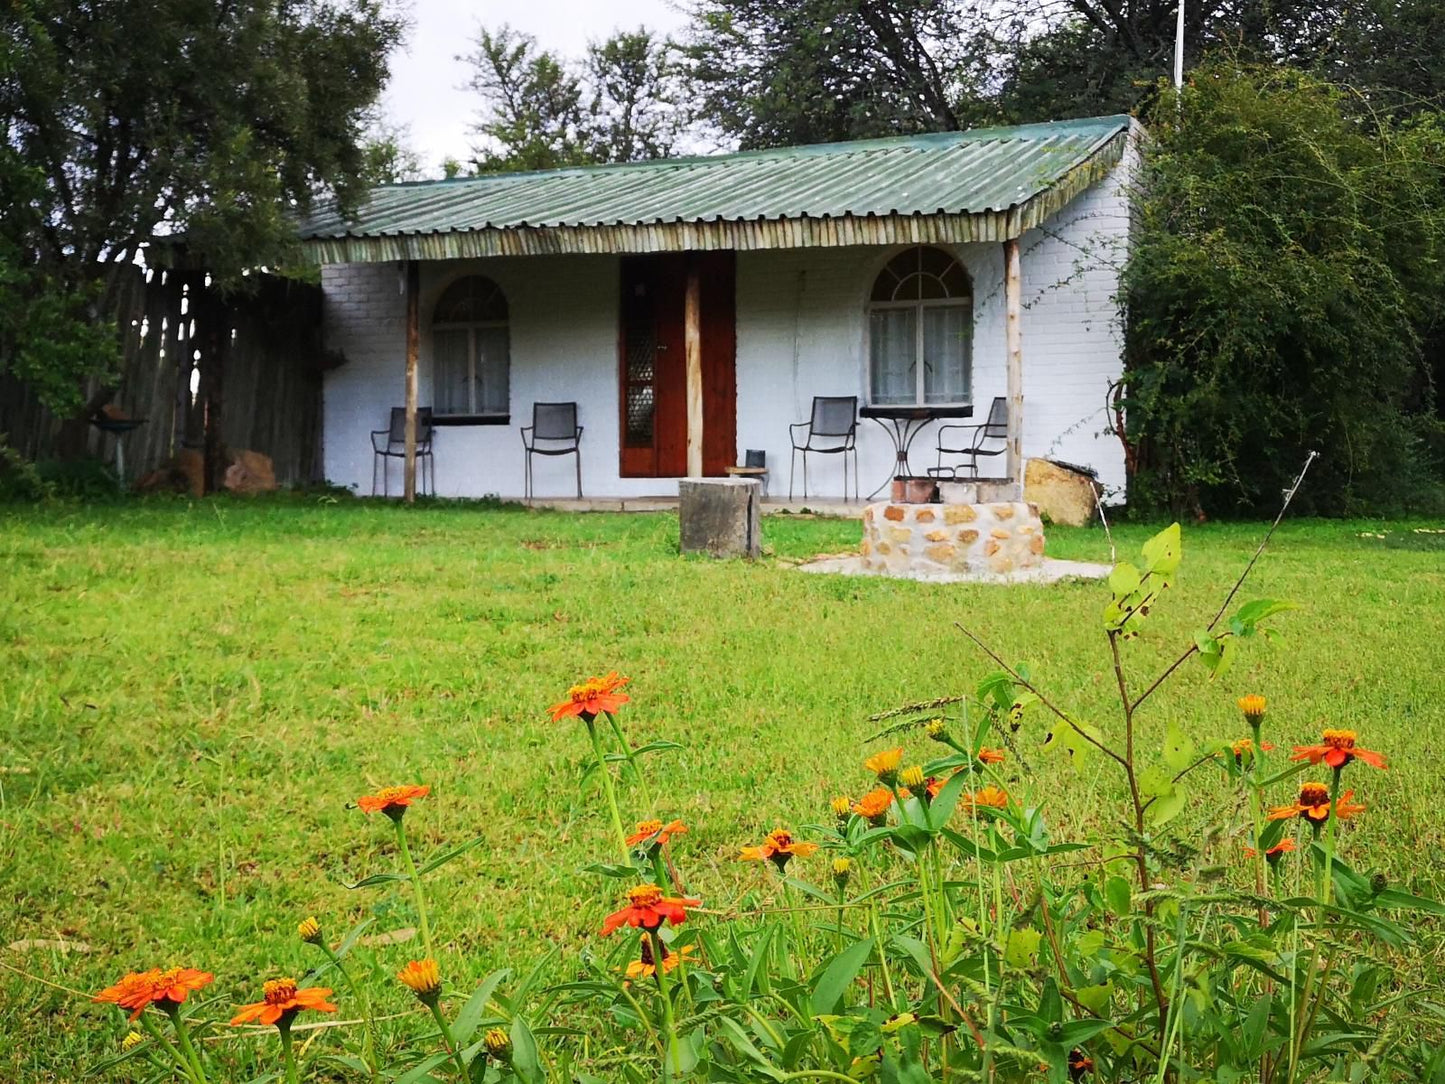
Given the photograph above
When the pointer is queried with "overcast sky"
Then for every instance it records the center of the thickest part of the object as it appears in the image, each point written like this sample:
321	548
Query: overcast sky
426	96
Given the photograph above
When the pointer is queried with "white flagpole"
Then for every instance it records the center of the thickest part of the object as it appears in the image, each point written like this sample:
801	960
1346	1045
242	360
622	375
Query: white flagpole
1179	49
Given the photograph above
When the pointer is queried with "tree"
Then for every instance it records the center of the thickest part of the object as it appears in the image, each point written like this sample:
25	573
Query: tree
541	111
200	122
1285	273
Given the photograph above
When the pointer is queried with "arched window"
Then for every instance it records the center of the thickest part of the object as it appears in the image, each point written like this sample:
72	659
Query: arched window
920	331
470	348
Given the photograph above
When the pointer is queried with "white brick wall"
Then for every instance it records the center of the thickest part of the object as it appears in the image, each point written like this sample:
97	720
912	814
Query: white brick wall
800	332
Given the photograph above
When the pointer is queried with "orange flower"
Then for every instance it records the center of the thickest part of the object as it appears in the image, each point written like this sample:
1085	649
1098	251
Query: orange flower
1275	853
423	978
991	797
1314	805
1243	749
1252	706
591	698
885	765
283	1001
1080	1065
1336	749
991	756
164	989
778	848
645	968
648	908
663	832
391	800
873	806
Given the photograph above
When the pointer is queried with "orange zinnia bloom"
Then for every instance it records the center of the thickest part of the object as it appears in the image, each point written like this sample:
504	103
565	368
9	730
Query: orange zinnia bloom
1314	805
991	756
873	806
282	1002
648	908
885	765
777	848
663	832
391	800
591	698
1337	748
164	989
991	797
1275	853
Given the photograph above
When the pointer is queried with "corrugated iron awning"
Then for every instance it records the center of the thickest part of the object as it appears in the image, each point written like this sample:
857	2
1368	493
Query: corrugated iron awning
948	187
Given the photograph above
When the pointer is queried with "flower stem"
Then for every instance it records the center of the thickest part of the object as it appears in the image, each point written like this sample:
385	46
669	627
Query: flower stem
611	791
447	1040
368	1035
293	1074
183	1036
674	1056
165	1044
1331	835
415	887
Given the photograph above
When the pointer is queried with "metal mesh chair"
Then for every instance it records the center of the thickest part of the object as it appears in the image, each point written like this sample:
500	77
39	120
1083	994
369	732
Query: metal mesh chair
390	443
831	430
973	441
554	431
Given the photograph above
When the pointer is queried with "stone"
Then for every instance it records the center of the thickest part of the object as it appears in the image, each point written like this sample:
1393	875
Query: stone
937	536
943	554
865	548
968	536
1065	494
1001	564
1036	544
900	534
894	513
953	515
883	547
720	516
999	532
1002	511
992	547
924	515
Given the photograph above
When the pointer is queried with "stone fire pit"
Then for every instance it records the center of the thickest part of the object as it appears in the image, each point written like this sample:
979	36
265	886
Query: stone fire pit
995	539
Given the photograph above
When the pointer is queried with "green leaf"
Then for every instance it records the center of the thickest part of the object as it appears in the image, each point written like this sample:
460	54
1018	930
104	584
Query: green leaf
1391	898
1124	580
352	936
422	1069
1163	552
1255	611
943	805
1022	949
760	954
1069	737
526	1062
1095	998
476	1006
376	879
839	975
1119	895
1178	749
1081	1031
734	1033
438	860
1168	806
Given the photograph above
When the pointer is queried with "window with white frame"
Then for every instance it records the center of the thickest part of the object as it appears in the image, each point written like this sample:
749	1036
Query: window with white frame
471	352
920	331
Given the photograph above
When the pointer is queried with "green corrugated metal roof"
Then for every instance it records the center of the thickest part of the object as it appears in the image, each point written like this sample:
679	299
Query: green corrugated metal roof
974	185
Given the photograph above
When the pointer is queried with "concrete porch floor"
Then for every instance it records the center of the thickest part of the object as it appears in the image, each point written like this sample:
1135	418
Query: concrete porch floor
828	508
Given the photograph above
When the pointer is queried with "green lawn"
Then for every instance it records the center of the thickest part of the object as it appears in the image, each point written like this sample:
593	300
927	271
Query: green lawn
192	693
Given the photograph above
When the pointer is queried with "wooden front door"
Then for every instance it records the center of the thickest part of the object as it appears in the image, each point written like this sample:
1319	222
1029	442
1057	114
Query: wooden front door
653	364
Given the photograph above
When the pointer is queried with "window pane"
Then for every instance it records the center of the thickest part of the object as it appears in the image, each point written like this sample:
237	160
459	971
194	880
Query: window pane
493	365
947	333
449	372
892	339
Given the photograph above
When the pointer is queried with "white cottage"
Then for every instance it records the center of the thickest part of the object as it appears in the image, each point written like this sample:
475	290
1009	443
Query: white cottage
693	309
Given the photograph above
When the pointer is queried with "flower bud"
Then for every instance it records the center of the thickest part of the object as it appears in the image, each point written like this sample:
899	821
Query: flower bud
912	778
498	1044
309	930
423	978
936	729
842	870
842	808
1253	708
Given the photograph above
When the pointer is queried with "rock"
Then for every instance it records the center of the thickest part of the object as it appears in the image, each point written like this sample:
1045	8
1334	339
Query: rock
720	516
249	472
246	472
1063	493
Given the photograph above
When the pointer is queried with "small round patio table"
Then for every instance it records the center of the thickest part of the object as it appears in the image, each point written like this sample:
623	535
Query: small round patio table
903	424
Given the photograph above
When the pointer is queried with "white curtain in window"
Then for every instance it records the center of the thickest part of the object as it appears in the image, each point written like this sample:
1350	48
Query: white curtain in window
946	335
893	338
450	348
492	370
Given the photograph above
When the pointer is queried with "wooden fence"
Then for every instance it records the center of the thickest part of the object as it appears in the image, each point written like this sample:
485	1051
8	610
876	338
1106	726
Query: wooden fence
248	366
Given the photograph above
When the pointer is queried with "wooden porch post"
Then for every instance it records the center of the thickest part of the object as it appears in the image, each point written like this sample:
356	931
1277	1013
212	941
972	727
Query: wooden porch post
692	341
413	345
1013	307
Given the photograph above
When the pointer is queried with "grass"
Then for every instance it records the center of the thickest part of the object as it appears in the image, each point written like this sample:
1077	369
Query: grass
191	694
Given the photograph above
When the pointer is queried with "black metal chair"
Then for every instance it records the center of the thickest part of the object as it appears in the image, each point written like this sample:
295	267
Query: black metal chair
973	441
831	430
390	443
556	425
